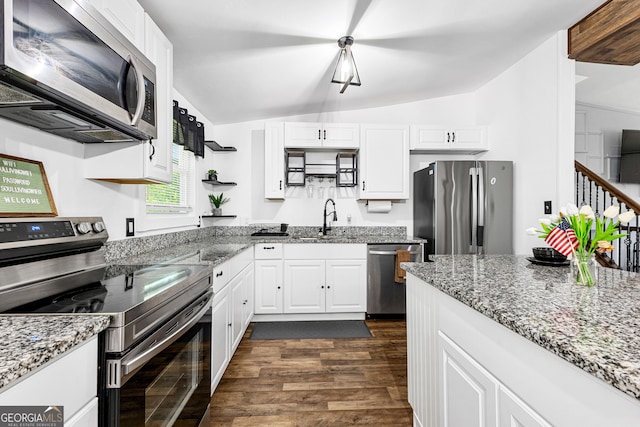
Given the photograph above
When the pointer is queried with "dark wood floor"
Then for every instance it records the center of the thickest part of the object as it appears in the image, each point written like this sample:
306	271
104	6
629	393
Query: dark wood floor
317	382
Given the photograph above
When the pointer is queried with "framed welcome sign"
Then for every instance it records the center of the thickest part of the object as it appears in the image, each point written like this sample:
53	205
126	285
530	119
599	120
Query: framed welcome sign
24	189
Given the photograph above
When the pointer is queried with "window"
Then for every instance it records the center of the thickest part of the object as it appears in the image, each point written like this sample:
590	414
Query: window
177	197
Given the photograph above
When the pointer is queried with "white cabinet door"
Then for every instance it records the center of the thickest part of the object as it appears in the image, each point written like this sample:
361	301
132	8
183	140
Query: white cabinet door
302	135
249	287
438	139
469	392
341	135
159	50
238	301
384	162
220	336
274	161
126	15
268	286
346	283
514	412
321	135
428	138
304	286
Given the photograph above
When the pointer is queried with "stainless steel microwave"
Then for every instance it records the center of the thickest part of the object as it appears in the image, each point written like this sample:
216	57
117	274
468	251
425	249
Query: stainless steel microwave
66	70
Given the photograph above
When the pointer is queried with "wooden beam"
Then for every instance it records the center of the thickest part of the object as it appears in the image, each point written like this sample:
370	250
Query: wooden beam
609	35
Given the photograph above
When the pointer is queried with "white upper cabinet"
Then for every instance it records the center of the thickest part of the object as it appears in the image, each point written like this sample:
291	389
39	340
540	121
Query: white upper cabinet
150	161
467	139
321	135
127	16
384	162
274	160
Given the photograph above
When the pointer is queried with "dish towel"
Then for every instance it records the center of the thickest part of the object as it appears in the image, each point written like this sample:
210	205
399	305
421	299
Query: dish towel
401	256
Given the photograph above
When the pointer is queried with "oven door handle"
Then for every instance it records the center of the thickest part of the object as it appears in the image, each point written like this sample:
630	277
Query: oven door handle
376	252
141	359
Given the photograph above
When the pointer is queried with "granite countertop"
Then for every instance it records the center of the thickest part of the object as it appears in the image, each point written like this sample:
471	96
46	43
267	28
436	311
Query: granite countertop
215	251
595	328
28	342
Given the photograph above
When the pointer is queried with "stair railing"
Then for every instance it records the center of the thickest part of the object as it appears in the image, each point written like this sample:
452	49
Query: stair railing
593	190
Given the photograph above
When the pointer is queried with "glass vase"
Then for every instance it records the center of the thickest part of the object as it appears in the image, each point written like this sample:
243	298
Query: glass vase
584	269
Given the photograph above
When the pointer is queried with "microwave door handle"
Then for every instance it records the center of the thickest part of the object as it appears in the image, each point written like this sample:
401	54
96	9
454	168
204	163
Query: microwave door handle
141	91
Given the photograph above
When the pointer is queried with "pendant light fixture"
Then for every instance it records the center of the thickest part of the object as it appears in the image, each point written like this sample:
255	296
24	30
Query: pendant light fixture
346	72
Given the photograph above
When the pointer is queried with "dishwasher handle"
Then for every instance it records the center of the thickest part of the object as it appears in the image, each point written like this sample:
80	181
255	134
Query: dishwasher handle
375	252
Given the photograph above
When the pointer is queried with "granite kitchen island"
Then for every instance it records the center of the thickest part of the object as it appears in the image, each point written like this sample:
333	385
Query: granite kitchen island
500	339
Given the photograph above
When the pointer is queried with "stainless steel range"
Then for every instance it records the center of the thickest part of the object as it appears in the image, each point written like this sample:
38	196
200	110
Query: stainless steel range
155	362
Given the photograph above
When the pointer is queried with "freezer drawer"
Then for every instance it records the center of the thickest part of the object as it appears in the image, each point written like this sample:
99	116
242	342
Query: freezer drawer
385	297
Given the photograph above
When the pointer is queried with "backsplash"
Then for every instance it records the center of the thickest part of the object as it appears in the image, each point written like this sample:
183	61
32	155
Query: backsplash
139	245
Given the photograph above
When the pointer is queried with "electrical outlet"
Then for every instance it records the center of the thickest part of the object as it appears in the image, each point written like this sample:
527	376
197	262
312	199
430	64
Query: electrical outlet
131	230
547	207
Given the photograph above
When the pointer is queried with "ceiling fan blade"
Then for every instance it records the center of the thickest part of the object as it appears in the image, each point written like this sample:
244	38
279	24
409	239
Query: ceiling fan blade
359	11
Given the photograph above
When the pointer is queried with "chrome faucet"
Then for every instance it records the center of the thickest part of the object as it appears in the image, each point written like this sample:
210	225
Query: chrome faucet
324	217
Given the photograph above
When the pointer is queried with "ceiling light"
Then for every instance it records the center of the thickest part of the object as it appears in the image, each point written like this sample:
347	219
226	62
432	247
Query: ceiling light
346	72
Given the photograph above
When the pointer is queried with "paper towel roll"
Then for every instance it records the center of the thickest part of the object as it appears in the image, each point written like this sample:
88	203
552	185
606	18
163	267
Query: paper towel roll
379	206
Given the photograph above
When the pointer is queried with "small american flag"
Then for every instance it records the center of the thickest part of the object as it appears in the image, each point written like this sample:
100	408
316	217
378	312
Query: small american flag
562	238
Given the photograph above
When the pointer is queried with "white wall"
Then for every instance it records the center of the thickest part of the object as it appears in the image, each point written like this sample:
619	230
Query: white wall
611	122
529	108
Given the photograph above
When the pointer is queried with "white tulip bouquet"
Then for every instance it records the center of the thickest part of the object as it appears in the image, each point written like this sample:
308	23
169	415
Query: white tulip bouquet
569	232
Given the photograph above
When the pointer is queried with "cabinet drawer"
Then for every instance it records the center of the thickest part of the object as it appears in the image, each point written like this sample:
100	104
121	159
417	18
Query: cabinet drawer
221	276
268	251
325	251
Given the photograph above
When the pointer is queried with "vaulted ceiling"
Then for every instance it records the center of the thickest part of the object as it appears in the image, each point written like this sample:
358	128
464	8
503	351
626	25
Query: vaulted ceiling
239	60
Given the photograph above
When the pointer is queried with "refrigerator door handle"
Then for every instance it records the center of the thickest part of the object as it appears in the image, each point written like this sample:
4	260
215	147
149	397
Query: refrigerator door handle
481	206
474	208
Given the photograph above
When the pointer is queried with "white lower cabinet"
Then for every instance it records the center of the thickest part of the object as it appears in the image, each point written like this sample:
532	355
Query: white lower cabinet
70	380
465	369
269	281
304	286
311	278
231	313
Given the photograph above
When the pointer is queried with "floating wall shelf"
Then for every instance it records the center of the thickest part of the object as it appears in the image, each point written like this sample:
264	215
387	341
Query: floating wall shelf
217	147
212	182
218	216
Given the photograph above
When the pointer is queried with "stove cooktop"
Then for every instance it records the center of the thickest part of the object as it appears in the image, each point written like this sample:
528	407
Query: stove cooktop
118	294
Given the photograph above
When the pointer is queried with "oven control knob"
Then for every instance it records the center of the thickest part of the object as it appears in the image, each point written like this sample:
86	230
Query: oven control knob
98	227
83	227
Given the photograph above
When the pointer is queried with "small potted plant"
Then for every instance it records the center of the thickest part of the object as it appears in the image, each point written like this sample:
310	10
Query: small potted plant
216	203
212	175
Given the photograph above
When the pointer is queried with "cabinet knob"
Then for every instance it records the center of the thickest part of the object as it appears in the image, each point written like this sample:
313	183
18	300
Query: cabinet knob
322	287
281	184
267	248
448	137
278	287
319	133
219	274
229	325
363	186
244	302
328	287
325	134
453	137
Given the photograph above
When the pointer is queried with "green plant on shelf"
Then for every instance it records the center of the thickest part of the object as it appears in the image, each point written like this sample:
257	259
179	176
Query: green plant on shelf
218	200
212	174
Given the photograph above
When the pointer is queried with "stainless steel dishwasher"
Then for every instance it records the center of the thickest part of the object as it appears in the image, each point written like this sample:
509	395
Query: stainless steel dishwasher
386	297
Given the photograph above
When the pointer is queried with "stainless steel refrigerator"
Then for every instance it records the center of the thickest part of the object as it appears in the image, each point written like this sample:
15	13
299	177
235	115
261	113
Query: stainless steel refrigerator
464	207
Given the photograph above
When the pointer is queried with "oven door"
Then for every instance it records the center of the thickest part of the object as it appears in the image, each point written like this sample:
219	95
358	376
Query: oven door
166	379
